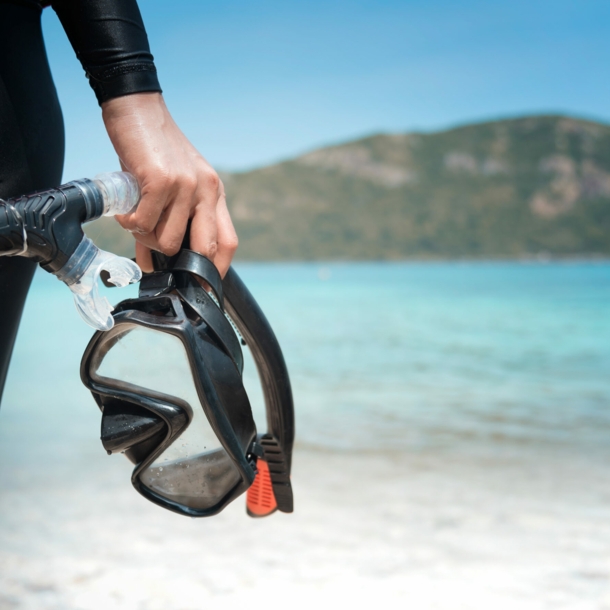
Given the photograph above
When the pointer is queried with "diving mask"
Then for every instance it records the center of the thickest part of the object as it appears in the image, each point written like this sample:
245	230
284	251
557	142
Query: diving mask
168	380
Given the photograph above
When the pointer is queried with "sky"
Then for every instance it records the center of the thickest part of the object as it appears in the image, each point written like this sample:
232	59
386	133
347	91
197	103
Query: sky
252	83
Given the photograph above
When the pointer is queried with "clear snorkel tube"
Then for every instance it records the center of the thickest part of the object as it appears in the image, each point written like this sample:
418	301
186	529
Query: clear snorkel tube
120	194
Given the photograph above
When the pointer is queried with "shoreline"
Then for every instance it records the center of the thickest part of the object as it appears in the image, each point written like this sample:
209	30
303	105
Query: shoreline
586	258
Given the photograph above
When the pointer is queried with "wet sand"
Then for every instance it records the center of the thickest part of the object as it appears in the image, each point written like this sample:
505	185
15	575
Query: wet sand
421	531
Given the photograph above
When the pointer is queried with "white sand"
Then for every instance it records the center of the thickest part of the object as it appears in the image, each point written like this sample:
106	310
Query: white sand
369	531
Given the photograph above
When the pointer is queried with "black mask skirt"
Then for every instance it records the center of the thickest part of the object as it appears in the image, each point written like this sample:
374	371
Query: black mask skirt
168	380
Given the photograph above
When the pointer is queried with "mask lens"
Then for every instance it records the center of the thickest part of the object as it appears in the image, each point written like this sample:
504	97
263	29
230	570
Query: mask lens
195	470
199	481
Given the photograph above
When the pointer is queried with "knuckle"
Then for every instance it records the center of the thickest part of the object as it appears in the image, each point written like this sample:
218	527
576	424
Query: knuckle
231	243
211	249
189	183
143	228
164	181
211	180
144	225
169	246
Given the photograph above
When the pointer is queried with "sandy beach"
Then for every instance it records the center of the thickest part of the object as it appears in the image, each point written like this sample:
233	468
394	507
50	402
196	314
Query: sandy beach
407	531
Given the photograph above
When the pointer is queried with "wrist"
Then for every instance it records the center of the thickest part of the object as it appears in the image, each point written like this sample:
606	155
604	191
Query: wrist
130	105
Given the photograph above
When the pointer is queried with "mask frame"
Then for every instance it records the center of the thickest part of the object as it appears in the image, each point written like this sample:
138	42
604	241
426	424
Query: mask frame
172	301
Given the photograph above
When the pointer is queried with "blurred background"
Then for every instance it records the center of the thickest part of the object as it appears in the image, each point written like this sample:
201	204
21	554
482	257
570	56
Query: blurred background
422	195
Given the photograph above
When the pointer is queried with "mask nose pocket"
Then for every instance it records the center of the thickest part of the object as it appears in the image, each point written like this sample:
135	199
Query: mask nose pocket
125	425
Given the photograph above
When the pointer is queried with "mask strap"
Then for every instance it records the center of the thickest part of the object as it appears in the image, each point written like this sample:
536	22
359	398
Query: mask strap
267	354
202	267
203	304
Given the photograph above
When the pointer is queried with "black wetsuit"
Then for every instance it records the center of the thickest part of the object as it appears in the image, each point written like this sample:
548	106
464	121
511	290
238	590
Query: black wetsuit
109	39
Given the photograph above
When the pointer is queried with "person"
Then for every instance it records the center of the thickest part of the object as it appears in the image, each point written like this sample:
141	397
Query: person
176	182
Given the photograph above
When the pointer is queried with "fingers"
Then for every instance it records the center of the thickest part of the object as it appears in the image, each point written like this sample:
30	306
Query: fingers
157	194
218	244
227	237
176	182
162	215
204	230
144	258
170	230
197	199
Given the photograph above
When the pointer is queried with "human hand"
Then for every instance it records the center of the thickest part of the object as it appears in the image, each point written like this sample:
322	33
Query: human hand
176	182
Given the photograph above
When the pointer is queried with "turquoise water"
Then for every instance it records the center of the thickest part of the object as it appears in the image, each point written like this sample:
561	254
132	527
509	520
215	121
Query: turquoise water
468	357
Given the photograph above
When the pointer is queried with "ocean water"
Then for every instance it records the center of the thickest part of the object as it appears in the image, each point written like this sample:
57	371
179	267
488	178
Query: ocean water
410	356
453	445
394	357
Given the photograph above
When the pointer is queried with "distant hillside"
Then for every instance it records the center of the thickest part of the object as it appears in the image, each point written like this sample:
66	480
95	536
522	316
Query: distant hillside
498	189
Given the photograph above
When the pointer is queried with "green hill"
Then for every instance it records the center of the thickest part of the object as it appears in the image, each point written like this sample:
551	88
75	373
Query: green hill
505	188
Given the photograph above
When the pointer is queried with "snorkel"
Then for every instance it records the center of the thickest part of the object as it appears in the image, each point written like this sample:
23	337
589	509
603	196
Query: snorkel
46	227
193	456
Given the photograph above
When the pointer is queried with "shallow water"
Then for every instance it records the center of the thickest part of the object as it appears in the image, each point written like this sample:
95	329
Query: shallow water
385	356
453	428
412	356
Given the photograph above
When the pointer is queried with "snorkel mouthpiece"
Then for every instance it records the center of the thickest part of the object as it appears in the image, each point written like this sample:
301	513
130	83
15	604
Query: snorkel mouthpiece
47	227
120	194
82	274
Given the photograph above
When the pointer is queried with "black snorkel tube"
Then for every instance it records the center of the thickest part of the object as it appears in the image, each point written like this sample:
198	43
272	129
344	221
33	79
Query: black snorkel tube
46	227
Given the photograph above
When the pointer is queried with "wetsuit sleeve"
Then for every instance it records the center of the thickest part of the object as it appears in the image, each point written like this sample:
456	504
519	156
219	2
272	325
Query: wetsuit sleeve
110	41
